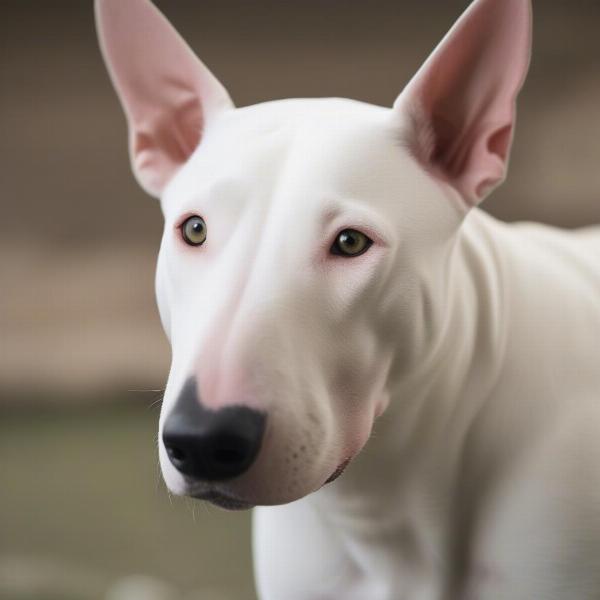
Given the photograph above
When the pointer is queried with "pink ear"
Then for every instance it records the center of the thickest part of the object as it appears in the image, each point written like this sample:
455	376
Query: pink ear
461	103
167	93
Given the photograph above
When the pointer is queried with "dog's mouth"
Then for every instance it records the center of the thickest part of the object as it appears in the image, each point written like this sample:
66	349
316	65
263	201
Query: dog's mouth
232	503
341	468
222	500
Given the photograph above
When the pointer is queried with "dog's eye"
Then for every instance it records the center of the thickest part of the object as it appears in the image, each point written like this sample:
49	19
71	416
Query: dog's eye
351	243
193	231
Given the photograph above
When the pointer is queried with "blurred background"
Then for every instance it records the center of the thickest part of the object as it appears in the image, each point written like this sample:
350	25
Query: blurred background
83	512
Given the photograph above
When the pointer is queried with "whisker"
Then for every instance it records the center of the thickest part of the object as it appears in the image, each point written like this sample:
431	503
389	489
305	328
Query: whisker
156	402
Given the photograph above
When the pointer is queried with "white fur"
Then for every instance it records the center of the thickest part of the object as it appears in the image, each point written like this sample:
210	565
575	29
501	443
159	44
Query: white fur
456	361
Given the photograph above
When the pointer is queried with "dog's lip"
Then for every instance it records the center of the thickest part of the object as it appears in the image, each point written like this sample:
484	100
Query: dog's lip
222	500
340	469
230	502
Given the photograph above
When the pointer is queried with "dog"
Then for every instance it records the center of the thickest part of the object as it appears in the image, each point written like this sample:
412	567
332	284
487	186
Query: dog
337	301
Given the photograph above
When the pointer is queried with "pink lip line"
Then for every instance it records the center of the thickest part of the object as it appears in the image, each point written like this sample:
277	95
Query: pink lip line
341	468
222	500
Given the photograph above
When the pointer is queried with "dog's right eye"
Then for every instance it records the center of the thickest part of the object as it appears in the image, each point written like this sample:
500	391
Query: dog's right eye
193	231
350	243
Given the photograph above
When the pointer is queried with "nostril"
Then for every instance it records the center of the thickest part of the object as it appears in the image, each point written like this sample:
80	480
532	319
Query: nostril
176	455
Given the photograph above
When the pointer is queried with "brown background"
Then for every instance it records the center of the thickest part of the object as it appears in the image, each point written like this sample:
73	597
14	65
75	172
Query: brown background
81	504
78	238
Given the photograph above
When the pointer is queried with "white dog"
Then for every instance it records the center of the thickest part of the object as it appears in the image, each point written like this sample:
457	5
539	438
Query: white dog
324	266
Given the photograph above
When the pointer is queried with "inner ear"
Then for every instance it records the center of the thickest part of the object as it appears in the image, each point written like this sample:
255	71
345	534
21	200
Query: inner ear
461	103
499	142
167	93
444	152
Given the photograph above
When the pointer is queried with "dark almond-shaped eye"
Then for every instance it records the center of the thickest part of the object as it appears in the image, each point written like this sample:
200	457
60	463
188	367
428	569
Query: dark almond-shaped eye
351	243
193	231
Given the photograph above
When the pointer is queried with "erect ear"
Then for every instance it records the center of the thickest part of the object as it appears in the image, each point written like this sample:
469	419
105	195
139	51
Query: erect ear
168	95
461	103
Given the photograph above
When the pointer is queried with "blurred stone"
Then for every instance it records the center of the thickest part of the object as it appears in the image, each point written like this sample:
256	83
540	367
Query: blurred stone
142	587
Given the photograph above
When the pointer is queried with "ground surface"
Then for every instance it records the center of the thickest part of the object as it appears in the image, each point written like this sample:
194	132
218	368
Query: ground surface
83	510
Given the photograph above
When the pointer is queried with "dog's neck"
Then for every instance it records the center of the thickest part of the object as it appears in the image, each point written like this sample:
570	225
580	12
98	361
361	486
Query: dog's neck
421	438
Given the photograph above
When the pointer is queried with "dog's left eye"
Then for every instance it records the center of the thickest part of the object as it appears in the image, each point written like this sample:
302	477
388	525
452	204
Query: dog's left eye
193	231
351	243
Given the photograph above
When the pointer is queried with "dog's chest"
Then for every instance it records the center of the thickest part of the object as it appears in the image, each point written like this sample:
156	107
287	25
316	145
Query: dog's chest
300	555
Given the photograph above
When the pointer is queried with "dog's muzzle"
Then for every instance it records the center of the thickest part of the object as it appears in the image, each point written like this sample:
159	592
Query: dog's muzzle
209	445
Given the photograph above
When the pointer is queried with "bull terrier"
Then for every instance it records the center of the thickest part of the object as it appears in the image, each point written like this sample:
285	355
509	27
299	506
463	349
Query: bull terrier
334	295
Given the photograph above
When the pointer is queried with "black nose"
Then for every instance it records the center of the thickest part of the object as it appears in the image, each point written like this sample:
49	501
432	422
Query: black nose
211	445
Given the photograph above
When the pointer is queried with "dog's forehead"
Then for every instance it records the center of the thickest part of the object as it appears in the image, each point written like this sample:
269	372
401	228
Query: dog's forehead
334	143
333	115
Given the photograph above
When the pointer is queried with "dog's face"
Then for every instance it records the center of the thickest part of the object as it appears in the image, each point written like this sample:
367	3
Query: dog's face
276	309
300	237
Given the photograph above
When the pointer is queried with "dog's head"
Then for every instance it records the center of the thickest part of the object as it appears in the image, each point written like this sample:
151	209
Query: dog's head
302	242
